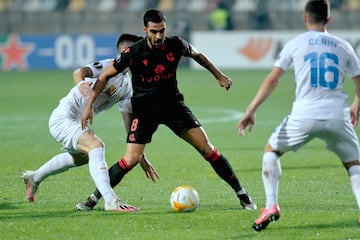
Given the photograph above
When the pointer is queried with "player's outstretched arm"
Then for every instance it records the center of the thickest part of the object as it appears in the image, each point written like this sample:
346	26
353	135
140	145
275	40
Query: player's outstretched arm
268	85
223	80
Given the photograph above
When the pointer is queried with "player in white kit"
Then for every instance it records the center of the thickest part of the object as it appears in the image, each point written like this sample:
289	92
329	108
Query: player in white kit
83	146
321	108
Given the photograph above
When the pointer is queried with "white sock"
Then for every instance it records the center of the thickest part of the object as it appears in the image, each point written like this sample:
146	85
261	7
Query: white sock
271	172
59	163
99	172
354	174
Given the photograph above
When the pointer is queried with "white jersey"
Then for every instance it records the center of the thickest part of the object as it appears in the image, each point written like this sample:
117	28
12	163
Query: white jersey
320	62
117	90
65	120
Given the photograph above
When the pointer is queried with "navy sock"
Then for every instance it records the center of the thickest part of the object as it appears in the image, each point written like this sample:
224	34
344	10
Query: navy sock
223	168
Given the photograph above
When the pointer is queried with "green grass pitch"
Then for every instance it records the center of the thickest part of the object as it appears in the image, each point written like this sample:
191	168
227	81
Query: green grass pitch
315	195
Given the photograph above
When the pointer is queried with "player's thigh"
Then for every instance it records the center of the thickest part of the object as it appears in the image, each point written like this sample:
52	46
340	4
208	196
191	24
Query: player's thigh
291	134
198	139
341	139
66	130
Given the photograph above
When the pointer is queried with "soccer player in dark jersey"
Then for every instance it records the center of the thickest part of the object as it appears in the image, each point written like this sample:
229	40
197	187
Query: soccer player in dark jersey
156	100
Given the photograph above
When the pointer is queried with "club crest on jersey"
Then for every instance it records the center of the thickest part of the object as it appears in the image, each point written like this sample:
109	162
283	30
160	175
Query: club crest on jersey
98	65
132	137
159	69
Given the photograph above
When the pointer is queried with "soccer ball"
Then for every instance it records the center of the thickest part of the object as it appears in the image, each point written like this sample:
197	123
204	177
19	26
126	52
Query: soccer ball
184	199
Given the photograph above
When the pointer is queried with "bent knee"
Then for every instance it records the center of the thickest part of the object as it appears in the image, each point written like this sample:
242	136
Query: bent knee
268	148
348	165
89	145
80	159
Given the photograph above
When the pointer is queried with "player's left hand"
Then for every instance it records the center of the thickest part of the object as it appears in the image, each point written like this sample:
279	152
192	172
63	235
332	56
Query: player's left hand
354	115
225	81
149	170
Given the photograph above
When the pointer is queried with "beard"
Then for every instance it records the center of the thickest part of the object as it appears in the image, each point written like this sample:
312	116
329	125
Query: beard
156	44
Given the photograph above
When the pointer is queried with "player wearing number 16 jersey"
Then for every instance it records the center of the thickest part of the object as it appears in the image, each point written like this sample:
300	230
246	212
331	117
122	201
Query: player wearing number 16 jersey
321	108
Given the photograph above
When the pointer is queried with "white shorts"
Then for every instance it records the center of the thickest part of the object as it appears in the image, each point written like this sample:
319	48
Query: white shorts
65	127
339	136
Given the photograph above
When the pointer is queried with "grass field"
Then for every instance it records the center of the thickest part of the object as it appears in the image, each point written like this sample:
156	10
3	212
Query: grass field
315	195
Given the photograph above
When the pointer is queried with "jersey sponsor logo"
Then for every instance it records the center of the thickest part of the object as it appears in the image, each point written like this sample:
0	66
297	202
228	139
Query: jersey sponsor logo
256	49
158	77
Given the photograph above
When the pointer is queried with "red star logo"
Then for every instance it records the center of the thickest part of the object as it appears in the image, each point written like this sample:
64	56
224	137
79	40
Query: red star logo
14	54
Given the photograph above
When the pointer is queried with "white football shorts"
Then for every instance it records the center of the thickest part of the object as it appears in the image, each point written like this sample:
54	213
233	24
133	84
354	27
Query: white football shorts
65	127
339	136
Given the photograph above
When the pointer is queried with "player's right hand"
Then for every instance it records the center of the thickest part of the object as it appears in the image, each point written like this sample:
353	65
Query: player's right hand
248	119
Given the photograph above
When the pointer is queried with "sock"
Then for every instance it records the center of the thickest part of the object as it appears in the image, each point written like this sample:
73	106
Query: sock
222	167
354	174
57	164
99	173
116	173
271	172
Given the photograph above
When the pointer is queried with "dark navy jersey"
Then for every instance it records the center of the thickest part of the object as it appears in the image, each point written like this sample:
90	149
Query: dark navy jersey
154	70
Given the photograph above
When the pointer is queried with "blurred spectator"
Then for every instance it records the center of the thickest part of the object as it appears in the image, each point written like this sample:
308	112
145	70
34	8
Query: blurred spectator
4	5
76	5
62	5
352	5
220	18
136	5
244	5
182	27
39	5
338	4
151	4
260	18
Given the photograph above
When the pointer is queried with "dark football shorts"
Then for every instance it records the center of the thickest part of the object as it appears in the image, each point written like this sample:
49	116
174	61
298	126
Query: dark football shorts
146	118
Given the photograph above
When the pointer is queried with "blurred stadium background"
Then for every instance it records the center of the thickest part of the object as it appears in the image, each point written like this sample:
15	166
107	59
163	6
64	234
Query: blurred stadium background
104	16
25	19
